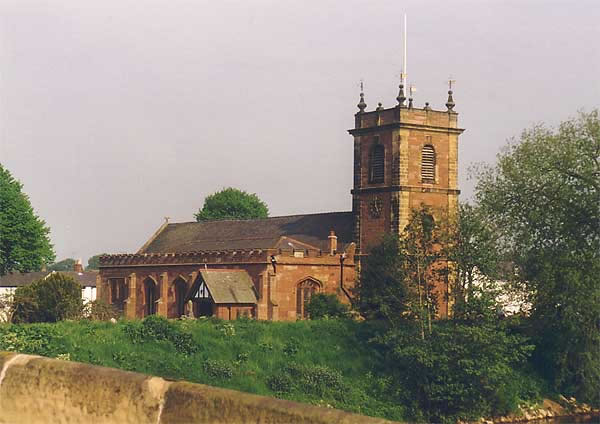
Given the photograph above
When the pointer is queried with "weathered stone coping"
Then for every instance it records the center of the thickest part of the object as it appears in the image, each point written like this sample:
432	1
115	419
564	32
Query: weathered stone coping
34	389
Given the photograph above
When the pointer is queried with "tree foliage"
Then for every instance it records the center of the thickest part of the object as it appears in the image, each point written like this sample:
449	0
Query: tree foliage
382	291
50	299
326	305
472	247
64	265
544	193
24	242
94	262
461	372
398	277
232	203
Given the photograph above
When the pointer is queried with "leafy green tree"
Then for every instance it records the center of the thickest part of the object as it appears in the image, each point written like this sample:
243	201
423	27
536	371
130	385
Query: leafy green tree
64	265
461	372
421	243
231	203
24	242
94	262
54	298
398	276
544	193
382	291
473	248
326	305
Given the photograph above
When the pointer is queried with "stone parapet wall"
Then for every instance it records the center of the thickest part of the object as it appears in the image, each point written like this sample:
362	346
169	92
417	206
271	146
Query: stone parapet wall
34	389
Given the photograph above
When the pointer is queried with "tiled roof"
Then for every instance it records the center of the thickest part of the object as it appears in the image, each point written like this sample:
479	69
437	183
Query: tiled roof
17	279
229	286
311	231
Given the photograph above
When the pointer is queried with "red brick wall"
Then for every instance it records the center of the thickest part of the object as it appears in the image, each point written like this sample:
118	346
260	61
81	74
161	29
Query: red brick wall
279	298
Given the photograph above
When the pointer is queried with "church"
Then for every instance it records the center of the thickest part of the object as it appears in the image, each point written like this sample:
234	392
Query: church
404	157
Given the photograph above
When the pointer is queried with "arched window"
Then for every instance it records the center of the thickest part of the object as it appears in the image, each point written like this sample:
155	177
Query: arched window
304	292
118	293
376	164
180	293
428	164
151	295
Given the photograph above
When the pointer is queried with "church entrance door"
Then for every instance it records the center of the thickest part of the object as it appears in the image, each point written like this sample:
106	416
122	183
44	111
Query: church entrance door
204	308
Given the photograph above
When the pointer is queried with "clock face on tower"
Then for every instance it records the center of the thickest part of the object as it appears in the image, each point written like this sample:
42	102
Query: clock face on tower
375	207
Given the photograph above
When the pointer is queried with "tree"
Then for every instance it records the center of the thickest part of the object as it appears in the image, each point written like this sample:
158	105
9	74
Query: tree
231	203
382	291
544	193
24	242
326	305
94	262
64	265
398	277
50	299
473	248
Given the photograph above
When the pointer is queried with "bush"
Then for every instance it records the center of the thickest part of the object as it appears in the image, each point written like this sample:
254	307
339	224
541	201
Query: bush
155	327
217	369
35	340
52	299
99	310
459	372
323	305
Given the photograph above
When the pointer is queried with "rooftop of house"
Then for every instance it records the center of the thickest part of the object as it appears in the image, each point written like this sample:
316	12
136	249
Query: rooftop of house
18	279
309	231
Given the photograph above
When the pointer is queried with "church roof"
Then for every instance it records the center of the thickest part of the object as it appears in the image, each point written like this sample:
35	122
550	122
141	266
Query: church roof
229	286
295	231
18	279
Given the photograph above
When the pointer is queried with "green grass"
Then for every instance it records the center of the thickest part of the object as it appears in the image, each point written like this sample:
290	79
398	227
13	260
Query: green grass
325	362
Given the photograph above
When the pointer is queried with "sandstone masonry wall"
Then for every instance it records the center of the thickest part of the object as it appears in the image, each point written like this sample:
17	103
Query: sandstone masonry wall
34	390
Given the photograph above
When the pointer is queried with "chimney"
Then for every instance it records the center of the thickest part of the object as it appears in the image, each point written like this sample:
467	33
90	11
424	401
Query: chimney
332	242
78	267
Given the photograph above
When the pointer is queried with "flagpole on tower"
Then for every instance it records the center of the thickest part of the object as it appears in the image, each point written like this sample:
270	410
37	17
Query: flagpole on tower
404	64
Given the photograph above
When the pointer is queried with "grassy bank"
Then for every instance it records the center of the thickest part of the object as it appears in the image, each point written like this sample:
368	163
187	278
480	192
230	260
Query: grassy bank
459	373
326	363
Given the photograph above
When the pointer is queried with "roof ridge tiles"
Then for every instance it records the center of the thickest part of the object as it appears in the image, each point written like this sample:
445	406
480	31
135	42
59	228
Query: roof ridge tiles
259	219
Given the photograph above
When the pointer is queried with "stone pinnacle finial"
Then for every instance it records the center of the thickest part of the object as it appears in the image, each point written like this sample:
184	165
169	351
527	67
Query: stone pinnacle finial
379	106
410	103
361	104
427	107
450	103
401	97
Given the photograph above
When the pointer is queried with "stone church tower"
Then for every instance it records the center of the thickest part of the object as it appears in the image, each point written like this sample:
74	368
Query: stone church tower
404	157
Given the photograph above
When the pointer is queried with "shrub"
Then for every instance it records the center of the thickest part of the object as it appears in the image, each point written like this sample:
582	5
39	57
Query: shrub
323	305
280	383
155	327
459	372
217	369
36	340
99	310
52	299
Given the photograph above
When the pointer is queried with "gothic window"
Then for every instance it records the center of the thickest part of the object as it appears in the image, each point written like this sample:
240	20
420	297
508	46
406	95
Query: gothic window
428	164
118	293
151	294
376	164
304	292
180	293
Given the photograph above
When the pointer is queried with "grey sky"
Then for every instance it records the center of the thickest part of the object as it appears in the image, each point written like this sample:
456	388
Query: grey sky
116	113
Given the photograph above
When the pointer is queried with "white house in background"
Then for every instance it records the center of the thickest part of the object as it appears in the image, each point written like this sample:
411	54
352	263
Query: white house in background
10	282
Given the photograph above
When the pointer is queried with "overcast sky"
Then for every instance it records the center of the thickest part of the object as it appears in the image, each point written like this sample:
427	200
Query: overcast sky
116	113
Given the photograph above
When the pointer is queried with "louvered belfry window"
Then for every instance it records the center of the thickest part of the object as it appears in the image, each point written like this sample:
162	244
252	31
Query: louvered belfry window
377	164
428	164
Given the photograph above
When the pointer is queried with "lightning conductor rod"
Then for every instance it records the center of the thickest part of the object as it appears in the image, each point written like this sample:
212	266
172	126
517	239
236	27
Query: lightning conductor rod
404	67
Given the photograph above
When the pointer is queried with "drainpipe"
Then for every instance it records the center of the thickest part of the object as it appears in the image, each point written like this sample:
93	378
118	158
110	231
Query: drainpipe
342	258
